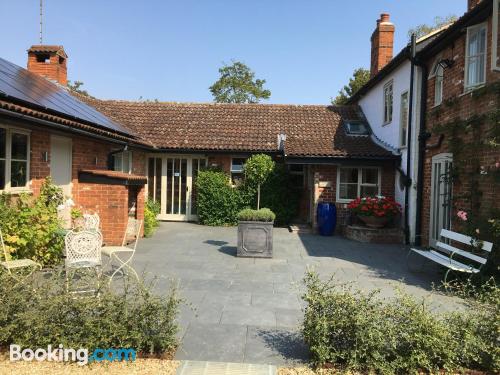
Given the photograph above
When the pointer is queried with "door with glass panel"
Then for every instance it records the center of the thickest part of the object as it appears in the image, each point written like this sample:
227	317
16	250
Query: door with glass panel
171	182
441	196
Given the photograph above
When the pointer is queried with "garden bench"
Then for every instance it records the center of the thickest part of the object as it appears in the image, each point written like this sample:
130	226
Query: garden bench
445	253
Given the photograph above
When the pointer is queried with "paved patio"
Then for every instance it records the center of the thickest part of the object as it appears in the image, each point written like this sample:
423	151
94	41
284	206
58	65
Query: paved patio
249	310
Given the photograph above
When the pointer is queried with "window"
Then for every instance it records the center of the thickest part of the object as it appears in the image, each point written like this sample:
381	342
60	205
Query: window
475	56
122	162
495	56
14	161
297	175
403	134
356	182
388	102
437	72
237	174
356	128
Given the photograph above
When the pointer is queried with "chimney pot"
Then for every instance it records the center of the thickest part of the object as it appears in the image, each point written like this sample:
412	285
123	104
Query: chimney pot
385	17
49	62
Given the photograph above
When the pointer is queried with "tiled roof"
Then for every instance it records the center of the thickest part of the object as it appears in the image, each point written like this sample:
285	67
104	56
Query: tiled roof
114	174
311	130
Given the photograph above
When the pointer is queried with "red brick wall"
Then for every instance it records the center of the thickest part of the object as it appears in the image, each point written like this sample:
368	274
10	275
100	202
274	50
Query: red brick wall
109	201
54	70
220	161
459	106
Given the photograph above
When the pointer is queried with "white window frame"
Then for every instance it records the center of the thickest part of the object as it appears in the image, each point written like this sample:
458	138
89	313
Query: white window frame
495	63
401	125
8	159
128	168
470	30
359	183
388	110
235	171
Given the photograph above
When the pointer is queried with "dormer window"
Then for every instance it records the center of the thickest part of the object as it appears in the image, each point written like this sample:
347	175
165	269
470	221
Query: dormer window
356	128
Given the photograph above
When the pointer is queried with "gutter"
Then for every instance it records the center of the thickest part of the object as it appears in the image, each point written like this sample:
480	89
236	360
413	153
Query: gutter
422	139
68	128
408	181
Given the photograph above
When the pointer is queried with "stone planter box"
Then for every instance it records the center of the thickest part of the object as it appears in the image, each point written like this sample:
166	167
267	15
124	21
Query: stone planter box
372	235
255	239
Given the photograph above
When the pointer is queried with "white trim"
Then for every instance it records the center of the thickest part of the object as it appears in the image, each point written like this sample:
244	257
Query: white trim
495	64
388	121
436	196
8	159
478	27
359	183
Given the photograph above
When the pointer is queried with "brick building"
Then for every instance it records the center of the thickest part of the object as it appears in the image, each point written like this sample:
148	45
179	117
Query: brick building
459	163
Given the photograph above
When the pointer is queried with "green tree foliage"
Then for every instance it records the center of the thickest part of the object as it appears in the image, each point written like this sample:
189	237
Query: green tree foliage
358	80
424	29
257	170
76	87
237	84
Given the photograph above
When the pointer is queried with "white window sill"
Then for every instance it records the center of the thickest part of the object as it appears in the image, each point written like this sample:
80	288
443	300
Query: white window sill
436	105
387	123
15	191
470	89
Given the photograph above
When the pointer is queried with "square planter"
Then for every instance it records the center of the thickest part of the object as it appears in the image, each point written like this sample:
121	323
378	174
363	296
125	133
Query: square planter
255	239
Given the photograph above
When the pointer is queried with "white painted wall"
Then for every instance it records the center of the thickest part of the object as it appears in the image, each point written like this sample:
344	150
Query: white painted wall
373	107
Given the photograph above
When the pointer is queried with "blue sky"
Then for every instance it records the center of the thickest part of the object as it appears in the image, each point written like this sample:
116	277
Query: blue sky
171	50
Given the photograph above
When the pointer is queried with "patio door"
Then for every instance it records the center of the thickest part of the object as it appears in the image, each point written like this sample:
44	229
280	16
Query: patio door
441	196
171	182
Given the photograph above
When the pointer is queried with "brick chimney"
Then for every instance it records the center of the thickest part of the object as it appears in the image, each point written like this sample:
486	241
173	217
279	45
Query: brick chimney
472	3
49	62
382	44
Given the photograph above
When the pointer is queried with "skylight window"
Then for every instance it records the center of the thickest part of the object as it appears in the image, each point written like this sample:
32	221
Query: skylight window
356	128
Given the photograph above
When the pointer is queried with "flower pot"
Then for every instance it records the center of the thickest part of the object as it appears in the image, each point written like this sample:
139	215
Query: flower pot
374	221
255	239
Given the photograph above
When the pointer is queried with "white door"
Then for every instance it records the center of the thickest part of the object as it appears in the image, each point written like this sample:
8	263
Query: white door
441	196
60	162
171	181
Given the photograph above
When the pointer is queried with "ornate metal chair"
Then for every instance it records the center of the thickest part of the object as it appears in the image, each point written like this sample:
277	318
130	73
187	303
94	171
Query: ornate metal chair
83	252
17	264
91	221
134	227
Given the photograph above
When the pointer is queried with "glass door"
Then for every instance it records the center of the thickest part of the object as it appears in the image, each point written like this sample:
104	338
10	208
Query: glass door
172	182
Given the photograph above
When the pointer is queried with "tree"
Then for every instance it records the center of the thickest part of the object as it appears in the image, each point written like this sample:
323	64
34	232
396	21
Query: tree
237	84
358	80
75	87
257	169
424	29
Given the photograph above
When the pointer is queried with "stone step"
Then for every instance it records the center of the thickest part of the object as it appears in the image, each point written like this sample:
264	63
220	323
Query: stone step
300	228
223	368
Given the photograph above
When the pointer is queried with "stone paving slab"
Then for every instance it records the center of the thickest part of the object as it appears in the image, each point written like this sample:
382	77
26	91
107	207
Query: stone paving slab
246	310
223	368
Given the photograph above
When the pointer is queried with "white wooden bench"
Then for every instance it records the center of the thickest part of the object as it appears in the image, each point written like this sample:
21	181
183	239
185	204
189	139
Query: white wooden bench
445	253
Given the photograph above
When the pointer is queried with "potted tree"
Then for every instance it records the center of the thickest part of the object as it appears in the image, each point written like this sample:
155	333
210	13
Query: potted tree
375	212
255	227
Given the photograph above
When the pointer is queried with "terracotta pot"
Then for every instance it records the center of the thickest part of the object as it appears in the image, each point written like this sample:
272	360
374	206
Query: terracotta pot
374	221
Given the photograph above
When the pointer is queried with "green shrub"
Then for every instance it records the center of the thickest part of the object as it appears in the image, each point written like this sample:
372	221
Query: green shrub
362	332
31	226
134	317
218	202
264	214
151	211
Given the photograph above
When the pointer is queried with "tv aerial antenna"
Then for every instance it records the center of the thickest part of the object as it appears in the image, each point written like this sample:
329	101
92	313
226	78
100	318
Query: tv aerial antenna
41	21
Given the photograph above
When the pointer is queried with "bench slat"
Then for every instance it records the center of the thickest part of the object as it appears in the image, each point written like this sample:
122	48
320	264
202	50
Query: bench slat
445	261
466	254
487	246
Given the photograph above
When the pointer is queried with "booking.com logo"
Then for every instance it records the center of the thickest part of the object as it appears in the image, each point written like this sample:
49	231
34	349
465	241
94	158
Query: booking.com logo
80	356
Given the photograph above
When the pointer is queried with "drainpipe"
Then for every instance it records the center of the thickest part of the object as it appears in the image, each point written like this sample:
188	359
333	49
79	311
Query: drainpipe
422	139
409	140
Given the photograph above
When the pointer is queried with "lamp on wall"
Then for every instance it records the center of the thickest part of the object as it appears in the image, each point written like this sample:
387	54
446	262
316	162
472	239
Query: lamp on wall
446	63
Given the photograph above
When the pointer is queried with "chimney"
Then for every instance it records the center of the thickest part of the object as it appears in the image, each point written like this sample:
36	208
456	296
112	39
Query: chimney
382	44
472	3
49	62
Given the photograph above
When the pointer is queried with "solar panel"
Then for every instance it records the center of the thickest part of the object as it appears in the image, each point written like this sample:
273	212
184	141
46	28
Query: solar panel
29	87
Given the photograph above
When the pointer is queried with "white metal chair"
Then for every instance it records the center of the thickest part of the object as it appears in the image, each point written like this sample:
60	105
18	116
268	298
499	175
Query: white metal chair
134	227
17	264
83	252
91	221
